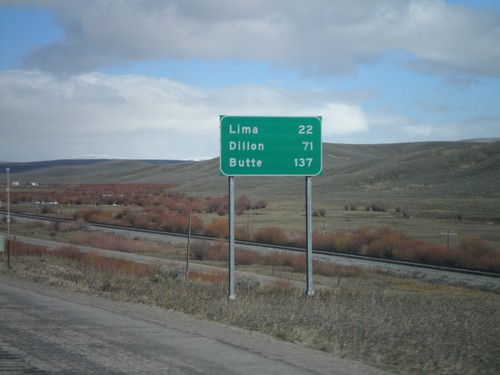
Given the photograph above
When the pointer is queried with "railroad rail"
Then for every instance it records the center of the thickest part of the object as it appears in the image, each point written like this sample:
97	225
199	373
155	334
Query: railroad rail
267	246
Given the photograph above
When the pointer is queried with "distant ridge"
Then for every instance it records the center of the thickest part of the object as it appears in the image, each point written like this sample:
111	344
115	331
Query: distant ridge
23	167
482	140
418	170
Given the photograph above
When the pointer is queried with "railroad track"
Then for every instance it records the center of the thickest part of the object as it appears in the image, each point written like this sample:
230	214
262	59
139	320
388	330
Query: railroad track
251	244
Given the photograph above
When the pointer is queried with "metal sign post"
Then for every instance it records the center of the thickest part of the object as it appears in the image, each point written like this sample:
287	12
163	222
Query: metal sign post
232	296
309	262
270	146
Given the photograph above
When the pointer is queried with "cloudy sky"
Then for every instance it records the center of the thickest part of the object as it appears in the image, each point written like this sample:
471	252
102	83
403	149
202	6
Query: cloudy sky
148	79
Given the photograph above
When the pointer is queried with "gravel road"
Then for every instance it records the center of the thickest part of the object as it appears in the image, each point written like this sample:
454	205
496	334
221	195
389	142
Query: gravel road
45	330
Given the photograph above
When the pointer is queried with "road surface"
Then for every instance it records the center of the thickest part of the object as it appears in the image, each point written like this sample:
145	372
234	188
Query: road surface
45	330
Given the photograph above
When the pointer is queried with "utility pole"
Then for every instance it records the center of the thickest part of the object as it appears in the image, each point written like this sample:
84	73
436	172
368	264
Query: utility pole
8	216
448	233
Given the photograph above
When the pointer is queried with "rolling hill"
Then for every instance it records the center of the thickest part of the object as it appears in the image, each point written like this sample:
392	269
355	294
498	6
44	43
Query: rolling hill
427	169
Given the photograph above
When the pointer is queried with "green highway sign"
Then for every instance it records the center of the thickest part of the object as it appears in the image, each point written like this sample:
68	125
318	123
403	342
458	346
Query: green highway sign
270	146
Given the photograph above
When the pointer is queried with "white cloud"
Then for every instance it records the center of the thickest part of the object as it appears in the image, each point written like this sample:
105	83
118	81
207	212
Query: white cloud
389	127
322	36
47	117
348	119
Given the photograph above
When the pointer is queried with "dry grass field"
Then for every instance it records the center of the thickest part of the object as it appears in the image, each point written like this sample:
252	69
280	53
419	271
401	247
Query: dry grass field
402	325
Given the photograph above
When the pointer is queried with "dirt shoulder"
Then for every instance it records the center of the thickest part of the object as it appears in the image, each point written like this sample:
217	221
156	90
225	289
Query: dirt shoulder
57	331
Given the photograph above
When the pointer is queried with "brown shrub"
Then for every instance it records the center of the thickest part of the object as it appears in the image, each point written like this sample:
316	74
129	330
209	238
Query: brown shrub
278	259
218	228
388	243
337	241
222	210
64	226
361	238
351	206
280	285
242	233
319	212
86	215
247	257
67	252
242	204
284	259
331	269
261	203
298	263
211	204
204	250
18	248
213	276
107	241
117	266
271	235
378	206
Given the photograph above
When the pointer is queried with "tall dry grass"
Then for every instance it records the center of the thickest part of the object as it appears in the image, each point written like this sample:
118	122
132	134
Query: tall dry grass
108	241
206	251
389	243
429	329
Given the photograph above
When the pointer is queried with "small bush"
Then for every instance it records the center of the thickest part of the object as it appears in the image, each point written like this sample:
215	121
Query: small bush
261	203
23	249
212	277
47	210
199	250
246	257
64	227
278	259
204	250
298	263
337	241
242	204
283	259
118	266
218	228
319	213
331	269
67	252
271	235
404	212
378	206
474	245
163	274
87	215
248	284
280	286
351	206
107	241
222	211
